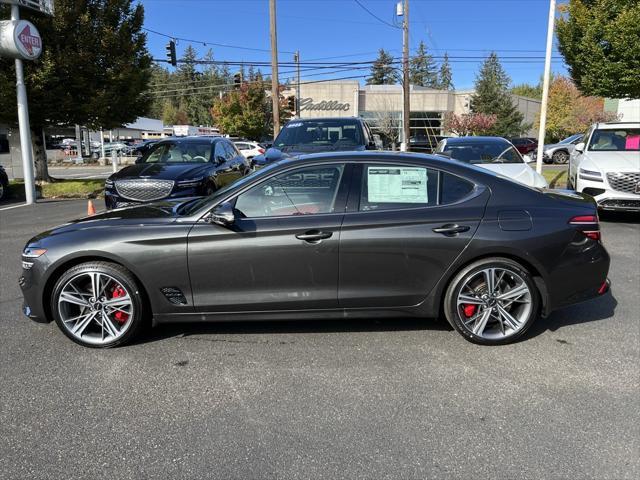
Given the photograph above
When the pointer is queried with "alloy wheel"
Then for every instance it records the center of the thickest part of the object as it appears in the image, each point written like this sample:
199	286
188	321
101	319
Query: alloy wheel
560	157
95	308
494	303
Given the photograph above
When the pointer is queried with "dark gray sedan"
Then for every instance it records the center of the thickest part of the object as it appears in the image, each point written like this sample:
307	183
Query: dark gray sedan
337	235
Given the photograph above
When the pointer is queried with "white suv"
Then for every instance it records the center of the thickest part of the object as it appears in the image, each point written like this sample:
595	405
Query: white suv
606	165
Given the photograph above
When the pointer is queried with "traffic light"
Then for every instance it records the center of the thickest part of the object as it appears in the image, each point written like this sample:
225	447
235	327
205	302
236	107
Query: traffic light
237	80
291	103
171	53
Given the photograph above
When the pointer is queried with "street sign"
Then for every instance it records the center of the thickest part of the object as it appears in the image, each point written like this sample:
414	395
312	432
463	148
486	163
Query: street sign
19	39
42	6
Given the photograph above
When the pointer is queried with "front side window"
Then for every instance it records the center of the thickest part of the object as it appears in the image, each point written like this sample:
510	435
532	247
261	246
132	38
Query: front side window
620	140
479	153
187	152
305	191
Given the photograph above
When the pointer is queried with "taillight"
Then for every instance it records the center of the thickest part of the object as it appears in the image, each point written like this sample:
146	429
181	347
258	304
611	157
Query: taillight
589	225
261	150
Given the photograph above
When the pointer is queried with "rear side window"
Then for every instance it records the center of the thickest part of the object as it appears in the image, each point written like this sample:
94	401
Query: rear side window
392	187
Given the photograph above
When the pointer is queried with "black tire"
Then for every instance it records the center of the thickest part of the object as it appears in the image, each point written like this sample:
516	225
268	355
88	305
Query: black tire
140	311
3	190
450	301
560	157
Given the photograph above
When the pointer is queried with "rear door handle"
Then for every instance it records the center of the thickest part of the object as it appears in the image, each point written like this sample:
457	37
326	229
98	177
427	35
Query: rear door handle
314	236
451	229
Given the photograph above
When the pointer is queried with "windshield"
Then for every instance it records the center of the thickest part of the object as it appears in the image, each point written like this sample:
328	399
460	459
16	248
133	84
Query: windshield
178	152
476	153
571	139
618	140
193	206
319	135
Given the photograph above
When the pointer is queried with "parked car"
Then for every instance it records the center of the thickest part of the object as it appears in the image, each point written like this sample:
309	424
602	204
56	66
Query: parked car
560	152
4	182
525	145
424	143
249	149
493	153
335	235
606	165
313	135
176	168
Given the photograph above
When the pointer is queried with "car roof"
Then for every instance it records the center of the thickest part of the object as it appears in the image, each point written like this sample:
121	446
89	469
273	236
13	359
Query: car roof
476	140
617	125
194	139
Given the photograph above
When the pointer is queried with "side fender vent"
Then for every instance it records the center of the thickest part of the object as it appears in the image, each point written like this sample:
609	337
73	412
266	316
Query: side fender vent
174	295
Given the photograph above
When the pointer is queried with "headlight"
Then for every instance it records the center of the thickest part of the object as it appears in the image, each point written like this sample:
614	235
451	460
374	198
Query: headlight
192	182
590	175
33	252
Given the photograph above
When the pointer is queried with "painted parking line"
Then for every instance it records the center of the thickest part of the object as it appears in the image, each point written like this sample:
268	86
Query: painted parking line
14	206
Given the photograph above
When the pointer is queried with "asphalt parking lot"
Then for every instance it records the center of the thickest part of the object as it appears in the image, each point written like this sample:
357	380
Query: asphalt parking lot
335	399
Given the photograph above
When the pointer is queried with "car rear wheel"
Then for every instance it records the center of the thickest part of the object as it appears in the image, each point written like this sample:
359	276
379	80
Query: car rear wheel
560	157
492	302
98	304
2	190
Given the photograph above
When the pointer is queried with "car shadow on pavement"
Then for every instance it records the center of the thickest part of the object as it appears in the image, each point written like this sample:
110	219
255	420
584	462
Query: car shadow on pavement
271	327
619	217
601	308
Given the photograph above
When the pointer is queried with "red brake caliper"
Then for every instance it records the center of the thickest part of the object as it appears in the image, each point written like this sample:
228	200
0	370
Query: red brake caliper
469	310
117	292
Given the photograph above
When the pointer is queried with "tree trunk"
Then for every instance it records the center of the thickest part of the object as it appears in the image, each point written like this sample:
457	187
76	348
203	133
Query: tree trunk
39	155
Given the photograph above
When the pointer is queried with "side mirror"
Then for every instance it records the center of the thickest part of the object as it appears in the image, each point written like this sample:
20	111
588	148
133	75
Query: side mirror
220	159
223	215
580	147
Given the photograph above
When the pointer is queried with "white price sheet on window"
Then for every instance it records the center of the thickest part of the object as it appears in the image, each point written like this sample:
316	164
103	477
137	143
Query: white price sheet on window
397	184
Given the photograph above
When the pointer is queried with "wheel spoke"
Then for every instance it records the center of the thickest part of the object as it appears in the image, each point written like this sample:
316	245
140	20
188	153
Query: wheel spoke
469	299
490	279
74	299
80	326
514	293
124	301
480	325
109	326
508	318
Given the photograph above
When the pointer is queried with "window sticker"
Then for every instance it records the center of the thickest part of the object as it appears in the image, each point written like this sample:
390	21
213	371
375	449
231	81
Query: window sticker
294	125
397	185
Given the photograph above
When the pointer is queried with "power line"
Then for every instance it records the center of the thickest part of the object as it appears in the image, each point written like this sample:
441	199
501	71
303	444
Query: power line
375	16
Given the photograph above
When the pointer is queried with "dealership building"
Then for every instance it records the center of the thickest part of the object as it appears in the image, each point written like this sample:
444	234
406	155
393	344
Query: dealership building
382	105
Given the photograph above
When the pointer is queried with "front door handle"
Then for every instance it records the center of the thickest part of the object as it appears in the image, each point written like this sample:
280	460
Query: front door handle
451	229
314	236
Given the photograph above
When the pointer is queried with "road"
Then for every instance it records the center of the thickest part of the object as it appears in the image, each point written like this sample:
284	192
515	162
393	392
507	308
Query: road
335	399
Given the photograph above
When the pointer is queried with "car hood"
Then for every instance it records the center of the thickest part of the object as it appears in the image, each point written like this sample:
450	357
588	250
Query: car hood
164	171
520	172
274	154
611	161
568	146
145	214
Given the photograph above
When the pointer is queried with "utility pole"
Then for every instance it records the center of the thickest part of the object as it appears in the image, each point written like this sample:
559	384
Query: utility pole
545	85
296	58
406	107
23	124
275	97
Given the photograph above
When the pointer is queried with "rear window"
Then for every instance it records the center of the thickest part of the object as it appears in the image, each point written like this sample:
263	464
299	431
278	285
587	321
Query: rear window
479	153
391	187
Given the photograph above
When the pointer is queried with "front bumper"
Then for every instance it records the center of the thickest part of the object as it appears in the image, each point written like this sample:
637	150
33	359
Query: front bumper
607	198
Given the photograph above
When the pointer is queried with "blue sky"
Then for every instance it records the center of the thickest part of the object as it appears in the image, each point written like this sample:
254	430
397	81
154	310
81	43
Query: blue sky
341	28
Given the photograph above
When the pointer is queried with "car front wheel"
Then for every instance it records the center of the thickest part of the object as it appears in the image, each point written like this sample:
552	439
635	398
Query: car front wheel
560	157
98	304
492	302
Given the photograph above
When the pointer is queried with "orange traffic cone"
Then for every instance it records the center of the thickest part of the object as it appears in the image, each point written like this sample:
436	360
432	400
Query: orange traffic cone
91	210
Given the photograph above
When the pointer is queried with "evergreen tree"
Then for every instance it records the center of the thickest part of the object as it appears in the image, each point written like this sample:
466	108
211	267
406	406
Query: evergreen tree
94	70
492	97
445	76
382	71
422	69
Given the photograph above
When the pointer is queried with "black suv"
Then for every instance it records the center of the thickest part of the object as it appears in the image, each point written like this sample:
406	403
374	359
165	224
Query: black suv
4	182
313	135
176	167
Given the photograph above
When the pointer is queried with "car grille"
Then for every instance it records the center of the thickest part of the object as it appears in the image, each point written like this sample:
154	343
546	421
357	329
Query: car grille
144	190
625	181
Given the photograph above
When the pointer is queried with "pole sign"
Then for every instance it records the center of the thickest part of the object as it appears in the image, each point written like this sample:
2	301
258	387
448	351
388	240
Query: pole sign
19	39
42	6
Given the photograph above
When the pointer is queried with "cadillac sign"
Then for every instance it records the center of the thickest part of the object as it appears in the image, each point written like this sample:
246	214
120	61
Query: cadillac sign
327	105
19	39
